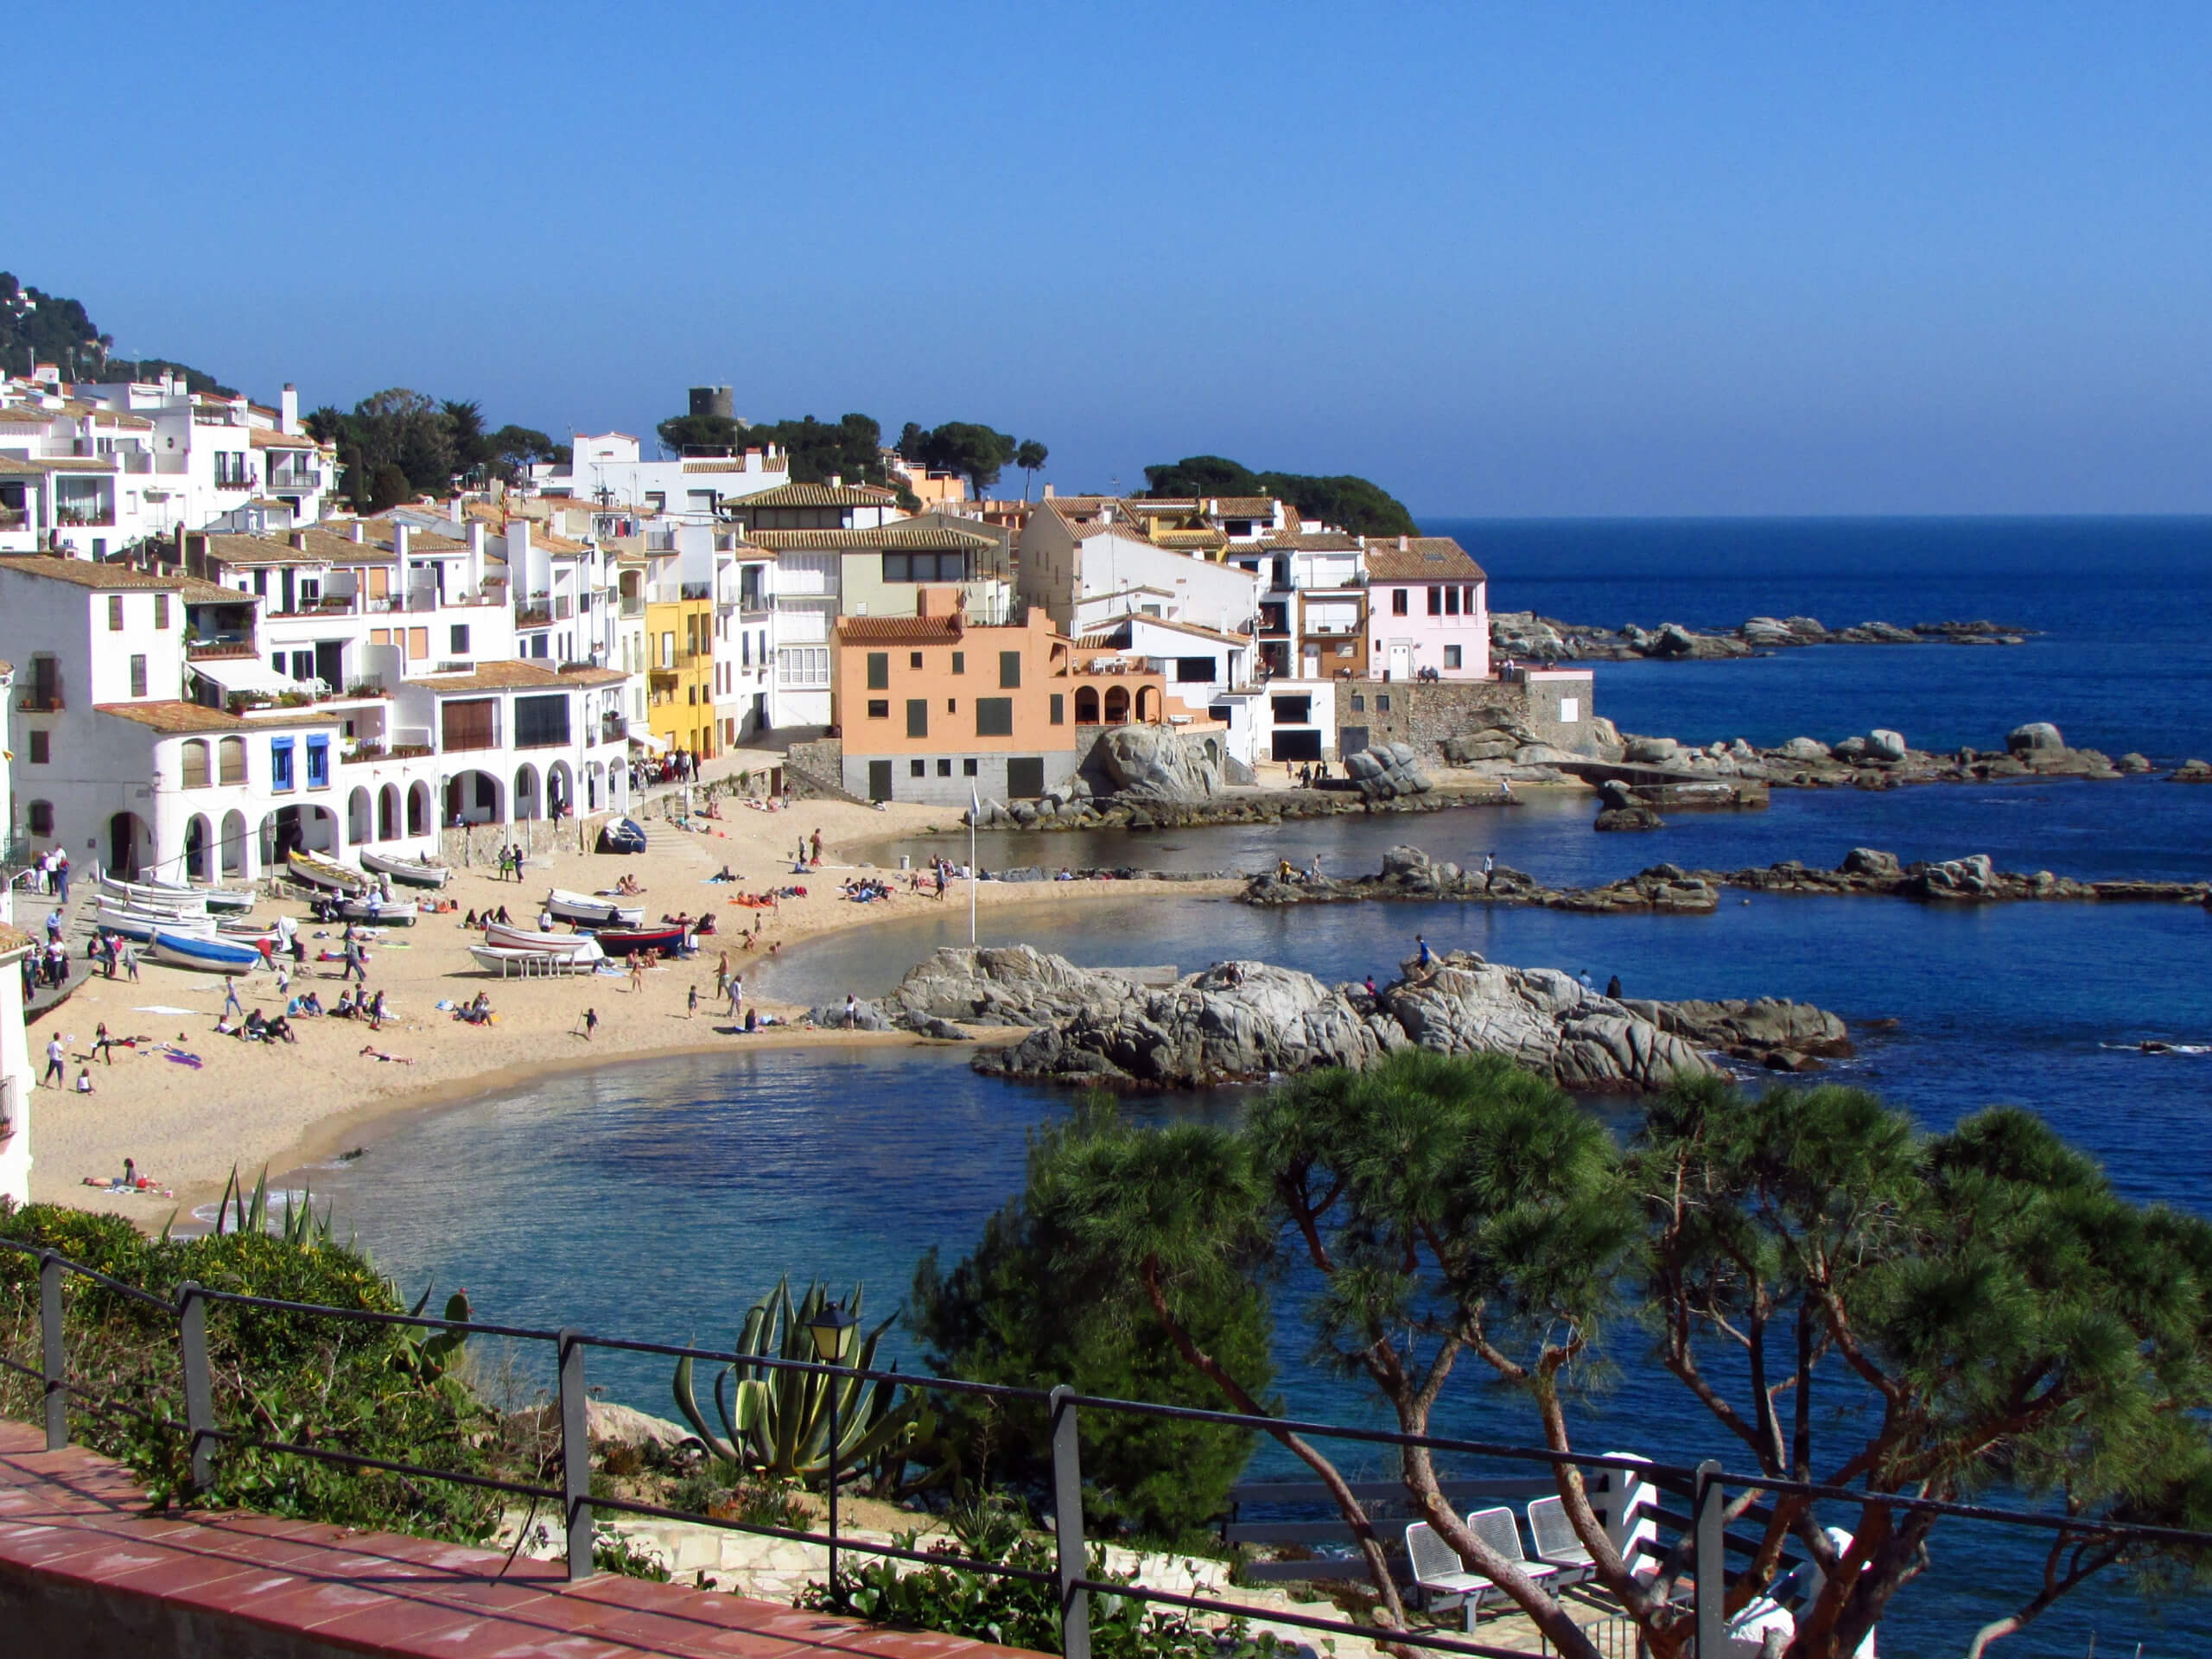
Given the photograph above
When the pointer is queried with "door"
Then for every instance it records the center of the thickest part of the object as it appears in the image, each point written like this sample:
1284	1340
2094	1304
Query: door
879	780
330	663
1350	740
1024	777
1401	661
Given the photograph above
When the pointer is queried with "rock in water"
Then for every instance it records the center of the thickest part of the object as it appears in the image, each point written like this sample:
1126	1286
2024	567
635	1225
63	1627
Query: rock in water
1885	744
1545	1021
1152	763
1652	751
1868	860
2037	734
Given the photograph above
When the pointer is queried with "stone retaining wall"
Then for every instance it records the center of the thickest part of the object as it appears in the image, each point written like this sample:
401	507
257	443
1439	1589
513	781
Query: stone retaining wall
1425	712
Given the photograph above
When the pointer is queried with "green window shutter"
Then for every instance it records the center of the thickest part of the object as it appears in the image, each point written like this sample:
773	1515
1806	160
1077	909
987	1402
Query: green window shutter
879	671
1009	670
994	716
918	716
1059	709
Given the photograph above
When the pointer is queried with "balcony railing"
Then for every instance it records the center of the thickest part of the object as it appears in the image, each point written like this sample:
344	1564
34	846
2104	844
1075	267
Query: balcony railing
71	517
613	729
34	702
306	482
633	605
534	616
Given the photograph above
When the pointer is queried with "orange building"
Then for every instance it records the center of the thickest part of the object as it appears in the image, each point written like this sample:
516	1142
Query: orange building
931	706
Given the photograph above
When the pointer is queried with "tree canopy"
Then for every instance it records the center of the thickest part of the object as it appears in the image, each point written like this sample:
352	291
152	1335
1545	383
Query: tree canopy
851	448
1353	504
1865	1307
399	443
36	326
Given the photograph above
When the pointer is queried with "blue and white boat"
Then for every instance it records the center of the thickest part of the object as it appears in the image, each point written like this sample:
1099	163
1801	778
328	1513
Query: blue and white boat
208	955
621	836
142	925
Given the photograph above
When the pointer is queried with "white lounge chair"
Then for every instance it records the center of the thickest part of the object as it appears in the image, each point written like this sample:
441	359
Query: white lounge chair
1557	1542
1497	1528
1441	1578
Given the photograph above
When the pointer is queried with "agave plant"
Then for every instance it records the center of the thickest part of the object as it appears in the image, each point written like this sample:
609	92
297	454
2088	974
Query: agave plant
241	1211
777	1421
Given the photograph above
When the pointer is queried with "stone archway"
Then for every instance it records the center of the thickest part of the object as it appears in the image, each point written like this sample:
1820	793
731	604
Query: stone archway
1086	705
358	809
1118	705
418	811
230	850
525	797
388	813
476	796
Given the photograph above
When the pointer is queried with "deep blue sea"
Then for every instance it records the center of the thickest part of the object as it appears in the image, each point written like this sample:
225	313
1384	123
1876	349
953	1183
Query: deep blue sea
660	1198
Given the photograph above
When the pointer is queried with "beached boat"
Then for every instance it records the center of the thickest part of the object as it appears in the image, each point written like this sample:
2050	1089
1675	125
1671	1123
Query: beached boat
361	910
153	901
523	938
622	941
503	961
407	871
314	870
205	952
585	910
132	923
621	836
213	898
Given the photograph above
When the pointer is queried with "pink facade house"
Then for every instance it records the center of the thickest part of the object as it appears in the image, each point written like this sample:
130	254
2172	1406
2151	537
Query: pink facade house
1428	610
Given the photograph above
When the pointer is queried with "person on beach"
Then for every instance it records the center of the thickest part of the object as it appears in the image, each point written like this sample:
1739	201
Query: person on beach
1587	983
852	1011
637	972
61	875
1490	870
692	1003
230	1003
591	1022
736	995
54	1055
1371	991
103	1044
85	1080
721	973
1613	987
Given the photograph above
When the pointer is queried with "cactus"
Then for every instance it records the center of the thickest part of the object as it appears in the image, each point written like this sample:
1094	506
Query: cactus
776	1421
244	1212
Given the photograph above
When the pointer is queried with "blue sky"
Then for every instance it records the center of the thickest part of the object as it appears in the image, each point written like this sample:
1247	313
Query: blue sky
1550	259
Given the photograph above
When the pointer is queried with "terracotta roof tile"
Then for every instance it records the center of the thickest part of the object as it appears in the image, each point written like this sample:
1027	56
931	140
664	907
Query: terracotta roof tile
88	573
263	439
1422	558
921	630
896	538
817	495
171	717
517	677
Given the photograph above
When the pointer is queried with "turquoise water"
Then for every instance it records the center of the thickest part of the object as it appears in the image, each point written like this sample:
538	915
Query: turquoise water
659	1197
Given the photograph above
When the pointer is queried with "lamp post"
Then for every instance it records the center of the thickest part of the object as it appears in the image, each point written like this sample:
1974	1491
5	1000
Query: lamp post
832	1328
974	811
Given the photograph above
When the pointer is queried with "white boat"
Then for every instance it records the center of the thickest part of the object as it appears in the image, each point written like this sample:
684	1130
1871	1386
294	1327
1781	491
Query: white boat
132	923
361	910
153	901
407	871
498	959
314	870
213	898
523	938
589	909
205	952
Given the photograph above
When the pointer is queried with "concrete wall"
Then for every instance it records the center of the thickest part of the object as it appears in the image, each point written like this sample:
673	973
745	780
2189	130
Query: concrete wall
1425	713
945	779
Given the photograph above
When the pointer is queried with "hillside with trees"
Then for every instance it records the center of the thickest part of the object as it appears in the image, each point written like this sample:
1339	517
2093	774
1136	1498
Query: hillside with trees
1353	504
36	327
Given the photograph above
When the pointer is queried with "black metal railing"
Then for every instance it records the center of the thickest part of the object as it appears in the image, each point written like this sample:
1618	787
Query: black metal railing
1701	1552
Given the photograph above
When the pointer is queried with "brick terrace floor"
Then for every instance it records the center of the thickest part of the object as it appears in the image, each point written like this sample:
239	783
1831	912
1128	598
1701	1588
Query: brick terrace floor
72	1521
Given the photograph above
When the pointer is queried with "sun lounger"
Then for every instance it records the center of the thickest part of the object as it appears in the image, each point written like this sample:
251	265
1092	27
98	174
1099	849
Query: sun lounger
1557	1542
1441	1578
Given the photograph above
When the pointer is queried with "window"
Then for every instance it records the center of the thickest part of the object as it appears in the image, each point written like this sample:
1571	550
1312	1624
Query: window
879	708
803	665
918	768
1194	670
1059	709
914	660
195	763
318	762
994	716
967	770
541	722
1382	703
1453	657
458	640
470	723
231	751
230	469
1294	711
40	755
1451	602
161	611
137	677
945	768
280	763
1570	710
115	613
925	567
40	817
1358	703
918	716
1397	602
960	662
879	671
1009	670
1436	601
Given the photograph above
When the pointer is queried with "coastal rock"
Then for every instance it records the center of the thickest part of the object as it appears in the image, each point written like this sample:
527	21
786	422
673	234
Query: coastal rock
1883	744
1749	1030
1868	860
1544	1020
864	1016
1627	818
1652	751
1153	763
1851	748
1388	771
1804	748
1493	744
2132	762
2036	734
1959	878
2191	771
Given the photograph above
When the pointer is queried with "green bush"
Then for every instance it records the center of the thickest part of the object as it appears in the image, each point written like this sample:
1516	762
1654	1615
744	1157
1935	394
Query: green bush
1010	1312
369	1390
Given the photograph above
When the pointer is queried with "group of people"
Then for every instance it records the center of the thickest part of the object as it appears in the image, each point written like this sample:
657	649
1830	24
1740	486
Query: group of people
676	766
111	951
50	873
477	1012
48	964
257	1027
477	921
1311	774
512	860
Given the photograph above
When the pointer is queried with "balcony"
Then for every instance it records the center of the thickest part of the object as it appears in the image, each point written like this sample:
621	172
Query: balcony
70	517
533	616
214	651
38	702
633	606
697	590
304	481
614	728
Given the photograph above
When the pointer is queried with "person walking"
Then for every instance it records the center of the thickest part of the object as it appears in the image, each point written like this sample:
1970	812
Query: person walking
736	996
103	1044
131	962
61	875
1427	954
231	1005
1490	870
56	1073
817	846
591	1022
721	973
692	1003
637	972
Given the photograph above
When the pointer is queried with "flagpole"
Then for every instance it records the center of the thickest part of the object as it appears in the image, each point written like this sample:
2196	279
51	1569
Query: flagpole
974	811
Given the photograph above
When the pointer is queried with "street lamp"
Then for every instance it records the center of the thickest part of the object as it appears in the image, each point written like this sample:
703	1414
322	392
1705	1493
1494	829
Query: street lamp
832	1329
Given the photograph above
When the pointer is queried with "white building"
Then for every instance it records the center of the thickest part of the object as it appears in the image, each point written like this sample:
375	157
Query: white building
606	469
17	1077
1089	560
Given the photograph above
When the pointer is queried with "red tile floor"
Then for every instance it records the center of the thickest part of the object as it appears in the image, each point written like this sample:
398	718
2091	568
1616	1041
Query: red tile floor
79	1552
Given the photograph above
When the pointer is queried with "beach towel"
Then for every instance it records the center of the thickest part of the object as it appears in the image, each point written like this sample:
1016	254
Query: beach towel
161	1007
182	1059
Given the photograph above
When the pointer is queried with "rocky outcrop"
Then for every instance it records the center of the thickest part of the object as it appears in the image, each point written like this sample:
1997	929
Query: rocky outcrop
1408	872
1242	1021
2192	771
1526	636
1780	1035
1387	772
1154	763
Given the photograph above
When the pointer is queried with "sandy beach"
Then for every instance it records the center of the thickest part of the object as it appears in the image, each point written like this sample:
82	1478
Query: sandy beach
250	1104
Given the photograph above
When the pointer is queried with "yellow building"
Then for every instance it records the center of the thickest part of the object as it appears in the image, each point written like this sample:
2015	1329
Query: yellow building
680	673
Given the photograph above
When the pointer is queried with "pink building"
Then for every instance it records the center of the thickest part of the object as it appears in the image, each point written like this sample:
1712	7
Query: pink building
1428	610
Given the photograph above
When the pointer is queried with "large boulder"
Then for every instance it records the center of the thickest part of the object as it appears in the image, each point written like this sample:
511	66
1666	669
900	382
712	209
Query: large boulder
1153	763
1804	748
1871	860
2036	736
1883	744
1542	1018
1387	772
1652	751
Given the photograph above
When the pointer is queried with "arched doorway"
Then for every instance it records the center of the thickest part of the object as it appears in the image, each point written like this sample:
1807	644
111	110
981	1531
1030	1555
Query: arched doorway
358	809
297	829
231	848
129	846
1118	705
474	797
1086	705
197	834
388	813
418	810
592	771
1149	704
560	789
525	792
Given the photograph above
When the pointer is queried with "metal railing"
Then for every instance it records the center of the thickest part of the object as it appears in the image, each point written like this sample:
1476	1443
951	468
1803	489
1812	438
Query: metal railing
1705	1543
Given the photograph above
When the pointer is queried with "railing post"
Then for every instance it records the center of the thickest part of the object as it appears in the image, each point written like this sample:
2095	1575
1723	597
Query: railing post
1711	1596
575	1456
1067	1526
199	1386
52	1358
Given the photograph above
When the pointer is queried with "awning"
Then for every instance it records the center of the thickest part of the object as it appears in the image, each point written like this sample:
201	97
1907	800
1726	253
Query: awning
656	744
245	674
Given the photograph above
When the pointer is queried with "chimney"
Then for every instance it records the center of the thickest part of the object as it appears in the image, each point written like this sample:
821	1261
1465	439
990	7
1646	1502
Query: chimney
289	407
836	481
358	537
475	538
1402	543
452	508
299	540
401	536
1048	492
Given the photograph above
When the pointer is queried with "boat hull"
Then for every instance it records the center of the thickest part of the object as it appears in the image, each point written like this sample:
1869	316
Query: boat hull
582	945
212	897
495	959
357	910
207	954
621	836
141	925
407	872
324	873
624	941
586	910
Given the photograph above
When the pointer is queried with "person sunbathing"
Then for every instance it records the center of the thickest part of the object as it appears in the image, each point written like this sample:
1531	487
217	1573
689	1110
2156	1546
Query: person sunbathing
375	1053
